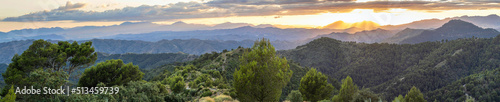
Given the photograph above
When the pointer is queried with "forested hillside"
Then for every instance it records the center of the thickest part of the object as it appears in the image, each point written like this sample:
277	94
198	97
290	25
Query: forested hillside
392	69
110	46
224	63
147	61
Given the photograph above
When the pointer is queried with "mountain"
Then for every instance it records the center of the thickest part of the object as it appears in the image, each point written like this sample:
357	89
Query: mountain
371	36
364	25
490	21
90	32
480	86
3	68
221	66
392	69
237	34
147	61
110	46
454	29
402	35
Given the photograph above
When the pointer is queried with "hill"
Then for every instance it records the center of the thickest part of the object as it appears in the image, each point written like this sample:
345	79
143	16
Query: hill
110	46
392	69
454	29
367	36
147	61
479	86
225	63
236	34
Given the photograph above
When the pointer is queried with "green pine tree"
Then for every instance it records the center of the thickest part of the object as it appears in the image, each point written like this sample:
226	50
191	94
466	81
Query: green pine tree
110	72
11	96
414	95
314	86
295	96
262	74
347	90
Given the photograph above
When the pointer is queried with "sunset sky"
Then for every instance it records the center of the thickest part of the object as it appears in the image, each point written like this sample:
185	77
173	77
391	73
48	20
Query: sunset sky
19	14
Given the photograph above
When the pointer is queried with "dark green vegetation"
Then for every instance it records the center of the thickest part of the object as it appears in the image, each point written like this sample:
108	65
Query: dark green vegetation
147	61
392	69
43	55
262	74
110	46
110	73
456	70
219	68
315	86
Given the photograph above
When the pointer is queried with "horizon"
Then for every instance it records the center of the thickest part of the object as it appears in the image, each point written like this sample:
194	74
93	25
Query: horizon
287	14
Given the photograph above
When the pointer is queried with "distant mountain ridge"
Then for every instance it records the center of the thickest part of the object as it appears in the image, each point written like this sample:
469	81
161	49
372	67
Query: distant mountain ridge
367	36
454	29
110	46
237	34
490	21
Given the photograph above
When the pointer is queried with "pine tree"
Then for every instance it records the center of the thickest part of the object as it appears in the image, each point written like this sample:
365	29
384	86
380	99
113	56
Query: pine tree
314	86
347	90
414	95
110	72
262	74
11	96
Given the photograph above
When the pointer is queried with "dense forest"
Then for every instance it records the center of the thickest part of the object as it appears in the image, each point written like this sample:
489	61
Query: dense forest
391	69
322	70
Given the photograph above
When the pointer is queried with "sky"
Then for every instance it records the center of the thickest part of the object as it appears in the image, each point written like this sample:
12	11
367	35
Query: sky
20	14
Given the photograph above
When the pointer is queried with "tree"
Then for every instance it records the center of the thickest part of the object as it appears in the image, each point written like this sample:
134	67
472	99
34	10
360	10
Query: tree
45	55
414	95
347	90
295	96
110	72
262	74
314	86
41	79
176	83
11	96
398	99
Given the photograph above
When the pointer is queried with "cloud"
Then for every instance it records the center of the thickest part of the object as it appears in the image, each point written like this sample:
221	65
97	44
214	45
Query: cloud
226	8
69	6
266	2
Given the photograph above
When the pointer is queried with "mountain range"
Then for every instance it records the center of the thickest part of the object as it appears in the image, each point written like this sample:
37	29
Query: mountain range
148	31
436	68
453	29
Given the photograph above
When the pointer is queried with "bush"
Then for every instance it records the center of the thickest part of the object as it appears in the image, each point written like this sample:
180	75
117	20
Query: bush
295	96
206	93
206	99
222	98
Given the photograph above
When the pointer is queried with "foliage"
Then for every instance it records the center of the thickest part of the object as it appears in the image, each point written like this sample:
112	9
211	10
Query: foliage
398	99
41	78
479	86
223	98
140	91
314	86
365	95
391	69
206	93
176	83
347	91
262	74
11	96
147	60
295	96
110	72
414	95
62	56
